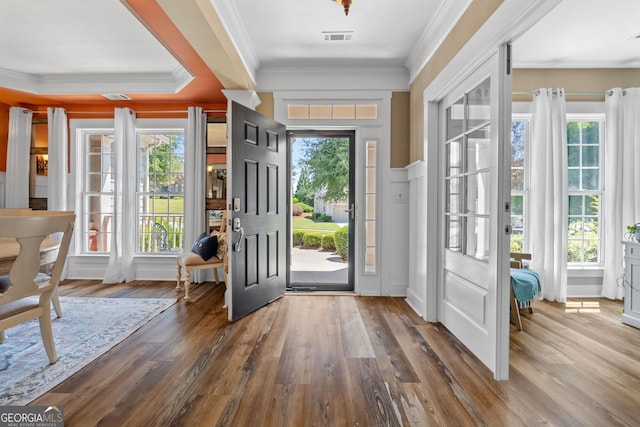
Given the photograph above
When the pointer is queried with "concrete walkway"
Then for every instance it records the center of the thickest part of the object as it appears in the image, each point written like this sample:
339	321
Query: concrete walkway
314	266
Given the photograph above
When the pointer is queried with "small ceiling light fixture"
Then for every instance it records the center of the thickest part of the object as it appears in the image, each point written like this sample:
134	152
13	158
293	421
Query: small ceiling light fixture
346	4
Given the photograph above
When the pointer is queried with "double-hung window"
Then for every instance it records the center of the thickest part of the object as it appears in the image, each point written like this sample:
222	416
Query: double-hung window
98	184
584	136
159	190
519	181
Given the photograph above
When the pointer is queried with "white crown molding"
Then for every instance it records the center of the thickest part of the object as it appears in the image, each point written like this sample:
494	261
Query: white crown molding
18	81
552	64
332	78
182	78
57	84
313	95
248	98
437	30
230	18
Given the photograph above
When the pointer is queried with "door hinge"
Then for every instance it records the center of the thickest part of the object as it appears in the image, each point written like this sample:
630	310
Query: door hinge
508	59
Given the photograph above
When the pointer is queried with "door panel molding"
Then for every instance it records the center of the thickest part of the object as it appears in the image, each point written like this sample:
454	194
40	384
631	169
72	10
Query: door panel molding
466	297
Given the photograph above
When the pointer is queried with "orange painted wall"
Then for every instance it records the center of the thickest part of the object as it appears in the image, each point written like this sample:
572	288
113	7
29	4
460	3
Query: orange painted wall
41	135
4	135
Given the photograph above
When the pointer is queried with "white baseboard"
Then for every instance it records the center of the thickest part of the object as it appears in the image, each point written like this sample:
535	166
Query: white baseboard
415	302
584	291
369	294
398	289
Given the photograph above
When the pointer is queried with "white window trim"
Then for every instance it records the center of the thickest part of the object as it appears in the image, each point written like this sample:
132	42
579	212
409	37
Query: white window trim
585	117
576	109
78	127
526	117
381	282
152	131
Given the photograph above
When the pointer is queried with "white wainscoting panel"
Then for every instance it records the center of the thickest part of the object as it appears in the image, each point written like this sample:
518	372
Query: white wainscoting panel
3	180
395	235
417	257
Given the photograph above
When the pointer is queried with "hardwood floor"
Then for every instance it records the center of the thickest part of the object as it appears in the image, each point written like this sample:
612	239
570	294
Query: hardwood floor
345	360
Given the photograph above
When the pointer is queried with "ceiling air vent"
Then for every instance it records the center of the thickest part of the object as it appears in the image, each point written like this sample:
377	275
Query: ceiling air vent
116	97
337	36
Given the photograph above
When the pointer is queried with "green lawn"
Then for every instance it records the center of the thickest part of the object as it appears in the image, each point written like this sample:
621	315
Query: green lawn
306	224
162	205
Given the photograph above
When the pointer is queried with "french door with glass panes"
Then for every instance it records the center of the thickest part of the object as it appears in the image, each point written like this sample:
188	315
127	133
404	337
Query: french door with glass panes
473	283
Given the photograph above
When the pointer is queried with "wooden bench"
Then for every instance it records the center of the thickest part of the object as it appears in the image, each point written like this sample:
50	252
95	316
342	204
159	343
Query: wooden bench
190	261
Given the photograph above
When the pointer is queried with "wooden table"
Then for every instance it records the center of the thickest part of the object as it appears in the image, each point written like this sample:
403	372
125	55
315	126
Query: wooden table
9	249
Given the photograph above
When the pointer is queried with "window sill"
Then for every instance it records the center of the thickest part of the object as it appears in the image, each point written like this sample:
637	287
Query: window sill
585	271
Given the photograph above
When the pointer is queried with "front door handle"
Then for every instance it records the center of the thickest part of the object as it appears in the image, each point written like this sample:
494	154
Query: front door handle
352	210
238	228
237	247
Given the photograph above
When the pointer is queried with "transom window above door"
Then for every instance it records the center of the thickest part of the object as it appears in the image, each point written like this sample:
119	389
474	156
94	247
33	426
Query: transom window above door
332	111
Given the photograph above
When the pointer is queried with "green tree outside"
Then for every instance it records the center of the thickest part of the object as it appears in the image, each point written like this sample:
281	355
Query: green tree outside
304	189
327	161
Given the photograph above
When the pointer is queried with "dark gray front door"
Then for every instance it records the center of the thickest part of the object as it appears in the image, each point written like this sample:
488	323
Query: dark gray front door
258	215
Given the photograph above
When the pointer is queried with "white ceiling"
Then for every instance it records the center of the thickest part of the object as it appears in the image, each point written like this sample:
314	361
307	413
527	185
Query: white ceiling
583	34
91	46
75	46
291	33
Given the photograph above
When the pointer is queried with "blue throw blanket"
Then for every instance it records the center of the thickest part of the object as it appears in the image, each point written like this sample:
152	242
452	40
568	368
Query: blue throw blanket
526	284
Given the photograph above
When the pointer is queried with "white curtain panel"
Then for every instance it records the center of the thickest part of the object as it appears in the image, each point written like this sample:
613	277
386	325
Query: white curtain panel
549	197
120	267
58	175
195	160
622	192
18	155
613	226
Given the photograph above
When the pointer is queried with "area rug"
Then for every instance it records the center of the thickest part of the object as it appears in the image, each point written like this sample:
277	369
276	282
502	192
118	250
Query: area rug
88	328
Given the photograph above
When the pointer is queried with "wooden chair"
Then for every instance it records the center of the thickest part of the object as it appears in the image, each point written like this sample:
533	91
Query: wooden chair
517	259
190	261
21	298
48	251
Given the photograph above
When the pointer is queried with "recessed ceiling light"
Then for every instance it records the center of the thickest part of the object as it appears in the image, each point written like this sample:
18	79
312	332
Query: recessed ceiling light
337	36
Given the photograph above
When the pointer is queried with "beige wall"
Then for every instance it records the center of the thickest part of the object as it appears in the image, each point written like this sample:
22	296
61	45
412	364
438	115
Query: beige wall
574	80
266	105
400	129
472	19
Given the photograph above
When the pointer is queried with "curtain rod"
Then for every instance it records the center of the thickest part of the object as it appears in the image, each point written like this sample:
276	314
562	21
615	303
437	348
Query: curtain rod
537	92
138	112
